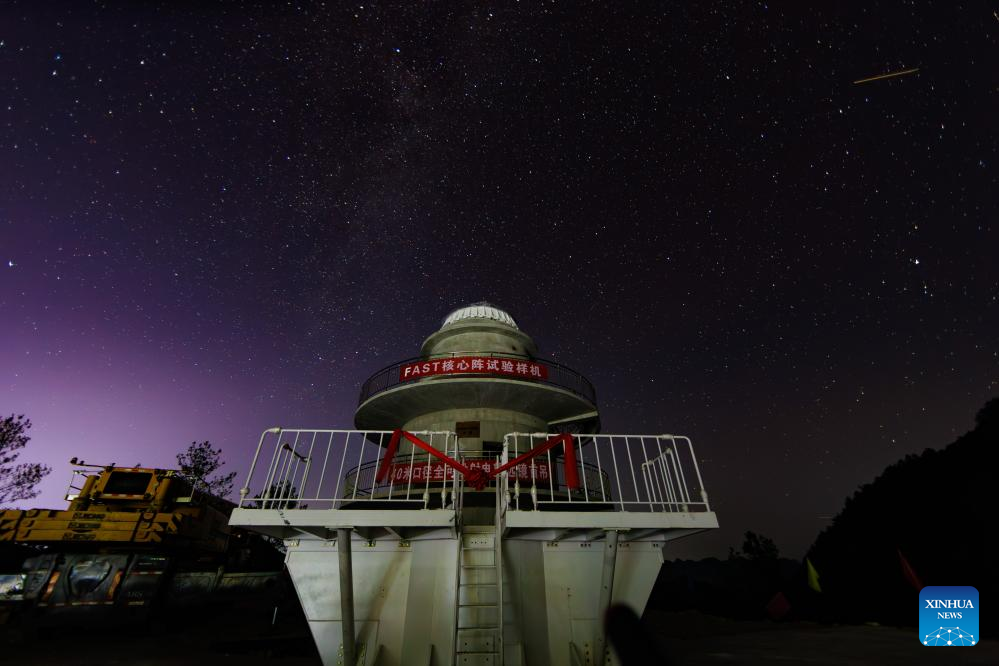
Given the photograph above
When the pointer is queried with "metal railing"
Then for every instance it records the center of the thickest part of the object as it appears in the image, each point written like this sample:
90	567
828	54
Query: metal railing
615	472
346	461
558	375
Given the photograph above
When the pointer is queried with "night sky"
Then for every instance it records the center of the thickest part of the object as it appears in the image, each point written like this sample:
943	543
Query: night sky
216	219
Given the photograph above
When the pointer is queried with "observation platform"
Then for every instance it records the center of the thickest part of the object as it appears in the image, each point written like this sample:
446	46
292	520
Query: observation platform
316	482
470	559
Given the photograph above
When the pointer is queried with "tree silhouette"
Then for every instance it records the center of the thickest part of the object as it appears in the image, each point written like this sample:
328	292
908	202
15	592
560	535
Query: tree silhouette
199	463
17	481
278	496
758	547
755	547
987	418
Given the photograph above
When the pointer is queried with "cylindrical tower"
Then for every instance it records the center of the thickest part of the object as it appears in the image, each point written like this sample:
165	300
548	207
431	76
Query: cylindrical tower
478	376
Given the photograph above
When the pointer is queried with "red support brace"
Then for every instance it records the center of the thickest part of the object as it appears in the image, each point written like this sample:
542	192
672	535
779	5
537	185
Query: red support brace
477	478
571	477
394	446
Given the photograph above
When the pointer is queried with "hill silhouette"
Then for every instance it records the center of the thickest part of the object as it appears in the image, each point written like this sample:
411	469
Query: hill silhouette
932	508
935	509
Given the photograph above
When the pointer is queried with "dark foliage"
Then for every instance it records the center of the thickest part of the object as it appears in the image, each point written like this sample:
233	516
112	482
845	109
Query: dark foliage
198	465
278	496
755	547
18	481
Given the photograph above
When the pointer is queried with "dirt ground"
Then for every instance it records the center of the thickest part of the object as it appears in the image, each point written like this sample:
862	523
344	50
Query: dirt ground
687	639
693	639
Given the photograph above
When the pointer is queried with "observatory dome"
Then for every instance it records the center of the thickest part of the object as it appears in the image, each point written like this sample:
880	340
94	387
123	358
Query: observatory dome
480	311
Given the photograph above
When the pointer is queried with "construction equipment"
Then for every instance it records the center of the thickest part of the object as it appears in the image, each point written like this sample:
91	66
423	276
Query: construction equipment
133	539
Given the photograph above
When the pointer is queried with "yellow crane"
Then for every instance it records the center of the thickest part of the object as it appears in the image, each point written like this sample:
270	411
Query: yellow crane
125	505
131	539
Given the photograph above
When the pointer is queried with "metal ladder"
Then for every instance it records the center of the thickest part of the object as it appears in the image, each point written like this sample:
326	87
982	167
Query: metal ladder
479	629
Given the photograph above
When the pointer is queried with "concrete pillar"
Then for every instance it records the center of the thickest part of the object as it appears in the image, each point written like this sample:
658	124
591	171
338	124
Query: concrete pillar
346	596
606	594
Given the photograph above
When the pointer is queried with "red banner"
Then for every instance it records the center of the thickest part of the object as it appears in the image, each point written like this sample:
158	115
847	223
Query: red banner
473	365
402	473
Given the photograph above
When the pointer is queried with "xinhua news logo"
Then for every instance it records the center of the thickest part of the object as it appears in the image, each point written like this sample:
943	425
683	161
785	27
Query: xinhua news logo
948	616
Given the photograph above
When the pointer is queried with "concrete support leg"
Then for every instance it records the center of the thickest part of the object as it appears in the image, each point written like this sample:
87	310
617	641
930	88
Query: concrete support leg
606	594
346	596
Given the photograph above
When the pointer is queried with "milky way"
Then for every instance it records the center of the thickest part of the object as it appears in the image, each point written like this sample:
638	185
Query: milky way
215	219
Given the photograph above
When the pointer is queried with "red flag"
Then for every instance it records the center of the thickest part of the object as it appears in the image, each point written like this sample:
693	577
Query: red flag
778	606
908	572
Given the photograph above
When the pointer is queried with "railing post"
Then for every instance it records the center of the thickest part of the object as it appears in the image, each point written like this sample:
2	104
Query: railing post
246	487
697	469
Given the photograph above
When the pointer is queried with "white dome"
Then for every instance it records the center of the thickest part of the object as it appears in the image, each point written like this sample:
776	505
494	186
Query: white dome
480	311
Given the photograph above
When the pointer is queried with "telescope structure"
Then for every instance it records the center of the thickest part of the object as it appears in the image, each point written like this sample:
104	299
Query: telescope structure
475	515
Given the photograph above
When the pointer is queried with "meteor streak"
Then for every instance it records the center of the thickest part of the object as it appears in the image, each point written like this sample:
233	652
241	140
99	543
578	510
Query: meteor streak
888	75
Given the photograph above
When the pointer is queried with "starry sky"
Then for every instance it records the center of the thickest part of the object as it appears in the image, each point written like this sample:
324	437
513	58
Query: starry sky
220	217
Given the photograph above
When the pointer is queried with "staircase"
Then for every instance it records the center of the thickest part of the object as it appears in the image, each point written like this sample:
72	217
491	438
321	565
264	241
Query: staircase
479	632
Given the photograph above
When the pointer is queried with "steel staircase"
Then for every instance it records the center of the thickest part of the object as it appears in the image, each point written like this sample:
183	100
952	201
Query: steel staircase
479	630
